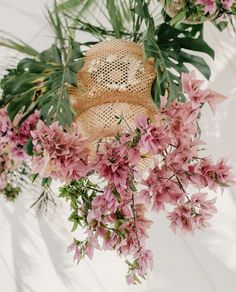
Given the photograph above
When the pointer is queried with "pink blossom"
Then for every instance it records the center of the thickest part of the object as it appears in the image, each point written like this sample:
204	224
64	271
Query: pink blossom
89	250
14	137
6	128
61	155
192	87
209	6
75	248
103	205
7	164
115	162
227	4
154	139
190	84
213	98
208	174
194	214
117	217
144	261
143	197
181	218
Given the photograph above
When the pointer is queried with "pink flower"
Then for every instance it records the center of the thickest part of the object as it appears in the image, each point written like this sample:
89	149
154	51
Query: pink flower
16	138
74	247
192	87
181	218
6	128
144	262
190	84
103	205
207	174
227	4
61	155
143	197
194	214
154	139
115	162
213	98
209	6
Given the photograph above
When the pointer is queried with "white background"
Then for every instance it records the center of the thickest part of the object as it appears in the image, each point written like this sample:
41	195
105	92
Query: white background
33	251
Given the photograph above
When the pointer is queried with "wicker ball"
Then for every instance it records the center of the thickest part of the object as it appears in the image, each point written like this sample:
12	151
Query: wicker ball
115	81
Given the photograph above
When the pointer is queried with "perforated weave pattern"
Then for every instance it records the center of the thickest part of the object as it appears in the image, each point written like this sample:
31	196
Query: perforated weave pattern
114	81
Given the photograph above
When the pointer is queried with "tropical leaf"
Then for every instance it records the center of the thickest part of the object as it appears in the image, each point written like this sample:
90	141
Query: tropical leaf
42	84
15	44
80	5
115	17
171	49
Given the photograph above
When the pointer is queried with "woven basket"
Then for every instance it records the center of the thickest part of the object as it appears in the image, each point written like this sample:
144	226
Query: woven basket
115	81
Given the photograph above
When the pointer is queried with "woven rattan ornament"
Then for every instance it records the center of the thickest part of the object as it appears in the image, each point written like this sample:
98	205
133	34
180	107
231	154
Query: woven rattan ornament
115	81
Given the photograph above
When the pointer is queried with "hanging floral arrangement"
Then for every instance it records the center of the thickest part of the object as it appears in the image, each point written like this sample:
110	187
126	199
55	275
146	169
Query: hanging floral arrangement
198	11
116	121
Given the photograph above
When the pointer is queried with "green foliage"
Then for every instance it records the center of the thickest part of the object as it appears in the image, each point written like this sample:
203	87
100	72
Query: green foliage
80	5
11	192
171	50
15	44
42	83
80	194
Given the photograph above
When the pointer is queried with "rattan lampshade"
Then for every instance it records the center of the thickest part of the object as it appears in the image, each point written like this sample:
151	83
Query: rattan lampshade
115	81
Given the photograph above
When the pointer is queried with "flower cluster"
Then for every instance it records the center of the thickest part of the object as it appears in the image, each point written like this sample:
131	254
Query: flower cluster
114	211
115	215
58	154
212	6
12	142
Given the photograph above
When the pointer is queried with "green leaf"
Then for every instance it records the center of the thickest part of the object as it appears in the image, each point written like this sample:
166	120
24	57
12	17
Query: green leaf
171	49
15	44
29	147
42	84
115	17
81	5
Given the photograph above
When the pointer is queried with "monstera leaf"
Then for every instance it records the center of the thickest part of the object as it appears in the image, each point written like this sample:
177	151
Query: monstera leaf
172	50
41	83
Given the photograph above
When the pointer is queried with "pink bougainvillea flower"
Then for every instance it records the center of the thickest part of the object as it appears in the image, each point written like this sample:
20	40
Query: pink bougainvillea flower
75	248
190	84
194	214
209	6
192	87
154	139
58	154
115	161
103	205
115	218
14	137
227	4
213	98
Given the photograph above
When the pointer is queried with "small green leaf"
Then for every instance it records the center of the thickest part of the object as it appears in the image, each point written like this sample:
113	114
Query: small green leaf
29	147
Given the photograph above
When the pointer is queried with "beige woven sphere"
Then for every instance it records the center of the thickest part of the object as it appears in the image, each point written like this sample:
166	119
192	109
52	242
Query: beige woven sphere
115	81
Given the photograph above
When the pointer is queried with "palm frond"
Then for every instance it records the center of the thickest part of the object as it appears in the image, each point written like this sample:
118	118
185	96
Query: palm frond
11	42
